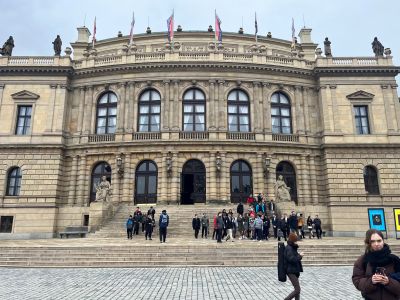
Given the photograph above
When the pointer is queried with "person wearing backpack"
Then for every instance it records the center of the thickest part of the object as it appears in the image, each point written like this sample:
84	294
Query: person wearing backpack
129	227
149	227
196	224
258	227
293	266
205	224
163	224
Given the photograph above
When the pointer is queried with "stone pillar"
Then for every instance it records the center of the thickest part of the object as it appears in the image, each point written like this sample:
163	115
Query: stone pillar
1	97
133	106
175	178
224	179
121	107
299	109
87	114
127	178
304	174
266	108
222	110
82	91
306	112
125	110
313	181
50	109
165	108
162	188
258	174
81	180
72	182
325	114
211	108
388	111
177	111
212	175
256	111
335	110
396	103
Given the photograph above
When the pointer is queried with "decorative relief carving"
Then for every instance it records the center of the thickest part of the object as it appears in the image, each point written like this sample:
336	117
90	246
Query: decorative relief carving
194	48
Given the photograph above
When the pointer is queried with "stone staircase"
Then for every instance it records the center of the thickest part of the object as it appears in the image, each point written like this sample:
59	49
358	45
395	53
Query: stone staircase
180	219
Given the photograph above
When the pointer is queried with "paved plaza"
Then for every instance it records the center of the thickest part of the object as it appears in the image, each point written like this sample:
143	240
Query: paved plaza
172	283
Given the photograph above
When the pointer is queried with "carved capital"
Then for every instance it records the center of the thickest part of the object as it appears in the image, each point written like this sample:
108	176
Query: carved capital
166	82
53	86
384	86
212	82
332	87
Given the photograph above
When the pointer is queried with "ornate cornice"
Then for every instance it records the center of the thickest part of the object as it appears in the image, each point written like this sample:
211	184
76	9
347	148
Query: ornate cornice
31	70
345	71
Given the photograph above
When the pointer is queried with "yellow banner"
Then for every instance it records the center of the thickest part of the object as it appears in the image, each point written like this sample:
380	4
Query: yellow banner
397	218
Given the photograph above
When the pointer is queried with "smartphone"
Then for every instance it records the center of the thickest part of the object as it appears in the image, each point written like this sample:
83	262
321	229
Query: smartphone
380	271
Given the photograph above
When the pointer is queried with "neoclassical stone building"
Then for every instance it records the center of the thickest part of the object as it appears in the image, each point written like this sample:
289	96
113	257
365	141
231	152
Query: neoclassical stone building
196	122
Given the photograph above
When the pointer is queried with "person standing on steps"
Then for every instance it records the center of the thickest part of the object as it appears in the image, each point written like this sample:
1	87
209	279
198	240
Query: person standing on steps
163	224
129	227
149	227
196	223
220	227
317	226
205	224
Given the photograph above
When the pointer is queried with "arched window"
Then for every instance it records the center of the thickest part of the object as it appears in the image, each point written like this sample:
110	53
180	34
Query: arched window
146	182
194	108
280	114
106	113
241	181
100	170
238	111
289	176
149	111
371	180
14	181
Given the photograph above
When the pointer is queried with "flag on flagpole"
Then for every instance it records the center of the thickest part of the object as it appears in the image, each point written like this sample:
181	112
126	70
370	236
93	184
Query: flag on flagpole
256	26
131	33
170	25
218	31
293	35
94	33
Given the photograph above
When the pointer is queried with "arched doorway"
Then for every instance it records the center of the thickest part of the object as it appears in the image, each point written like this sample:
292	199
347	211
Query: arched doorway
193	182
100	170
289	176
241	181
146	182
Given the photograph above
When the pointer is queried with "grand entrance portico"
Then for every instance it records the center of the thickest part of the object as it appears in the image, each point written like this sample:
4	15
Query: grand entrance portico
193	182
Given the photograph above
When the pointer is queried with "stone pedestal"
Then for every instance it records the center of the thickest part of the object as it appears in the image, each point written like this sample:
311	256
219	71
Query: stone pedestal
98	213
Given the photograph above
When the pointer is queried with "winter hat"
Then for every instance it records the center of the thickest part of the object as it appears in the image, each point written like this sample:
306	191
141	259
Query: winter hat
292	237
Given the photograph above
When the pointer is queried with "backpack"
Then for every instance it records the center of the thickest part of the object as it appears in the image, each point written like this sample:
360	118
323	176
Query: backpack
281	262
164	220
129	224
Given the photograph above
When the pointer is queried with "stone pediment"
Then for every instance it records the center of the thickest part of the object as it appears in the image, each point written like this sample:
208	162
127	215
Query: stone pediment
360	95
25	95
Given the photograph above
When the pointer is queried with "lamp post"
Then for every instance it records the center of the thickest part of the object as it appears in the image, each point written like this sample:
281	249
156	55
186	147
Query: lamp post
120	165
267	163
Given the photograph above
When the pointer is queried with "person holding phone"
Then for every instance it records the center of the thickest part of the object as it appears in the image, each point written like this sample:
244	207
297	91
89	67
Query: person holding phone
293	265
372	270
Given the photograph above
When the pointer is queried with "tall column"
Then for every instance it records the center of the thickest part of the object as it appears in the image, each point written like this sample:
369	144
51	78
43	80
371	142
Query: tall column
258	174
256	111
306	112
222	124
165	108
72	181
127	178
81	180
314	184
1	95
121	107
125	111
211	109
133	106
177	111
388	111
325	114
212	175
304	197
82	91
396	103
50	110
223	188
163	188
335	110
87	113
299	109
175	177
267	108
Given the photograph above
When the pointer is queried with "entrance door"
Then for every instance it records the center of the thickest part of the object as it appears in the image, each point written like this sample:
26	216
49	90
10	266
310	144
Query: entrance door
146	183
241	181
193	182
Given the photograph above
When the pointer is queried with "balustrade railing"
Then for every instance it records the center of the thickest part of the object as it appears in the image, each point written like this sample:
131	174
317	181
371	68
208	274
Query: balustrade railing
193	135
240	136
146	136
96	138
285	138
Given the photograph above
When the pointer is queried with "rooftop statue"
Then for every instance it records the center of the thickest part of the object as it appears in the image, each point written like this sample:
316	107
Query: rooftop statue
7	47
377	47
327	47
57	45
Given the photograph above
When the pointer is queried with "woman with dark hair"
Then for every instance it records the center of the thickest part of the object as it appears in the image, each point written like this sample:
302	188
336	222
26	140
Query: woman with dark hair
375	271
293	265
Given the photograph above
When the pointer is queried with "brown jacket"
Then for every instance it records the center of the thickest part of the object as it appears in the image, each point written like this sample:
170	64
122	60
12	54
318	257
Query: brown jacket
362	280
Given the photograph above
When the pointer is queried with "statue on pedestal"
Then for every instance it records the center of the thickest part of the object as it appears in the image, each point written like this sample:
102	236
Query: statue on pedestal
57	46
327	47
377	47
7	47
282	191
103	190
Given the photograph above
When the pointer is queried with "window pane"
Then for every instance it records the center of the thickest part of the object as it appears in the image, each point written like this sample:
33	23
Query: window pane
244	128
152	188
155	119
232	120
112	121
111	129
102	112
188	108
199	119
188	119
235	184
152	167
112	98
188	127
285	112
232	96
275	121
101	130
285	122
188	95
143	128
243	120
140	184
103	99
199	127
155	127
232	109
233	127
144	109
242	96
200	108
275	98
235	166
199	95
243	109
283	99
112	111
245	167
275	111
145	96
155	96
246	184
286	130
155	109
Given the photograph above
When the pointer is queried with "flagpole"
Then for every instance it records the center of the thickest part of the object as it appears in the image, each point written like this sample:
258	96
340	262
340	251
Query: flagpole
256	26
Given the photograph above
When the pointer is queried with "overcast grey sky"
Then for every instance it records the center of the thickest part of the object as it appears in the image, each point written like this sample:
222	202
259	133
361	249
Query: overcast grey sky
351	25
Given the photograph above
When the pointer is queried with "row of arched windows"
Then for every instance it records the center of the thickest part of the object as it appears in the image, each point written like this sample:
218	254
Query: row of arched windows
147	173
194	112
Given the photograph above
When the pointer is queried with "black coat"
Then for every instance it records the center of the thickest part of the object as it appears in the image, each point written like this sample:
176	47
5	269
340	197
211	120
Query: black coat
292	260
196	223
240	209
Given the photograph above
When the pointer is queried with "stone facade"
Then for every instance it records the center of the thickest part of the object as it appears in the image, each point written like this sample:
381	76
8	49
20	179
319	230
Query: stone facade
61	149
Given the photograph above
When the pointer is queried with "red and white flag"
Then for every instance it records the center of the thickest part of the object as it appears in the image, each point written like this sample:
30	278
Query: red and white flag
293	35
170	25
131	33
94	33
218	30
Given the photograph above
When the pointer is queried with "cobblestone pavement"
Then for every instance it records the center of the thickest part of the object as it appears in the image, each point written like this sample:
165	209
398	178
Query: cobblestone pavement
172	283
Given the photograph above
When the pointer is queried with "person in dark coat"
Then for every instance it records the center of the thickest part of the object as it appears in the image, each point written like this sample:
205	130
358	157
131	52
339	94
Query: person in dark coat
163	224
317	226
240	208
275	223
220	227
149	227
196	224
293	222
377	272
293	265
